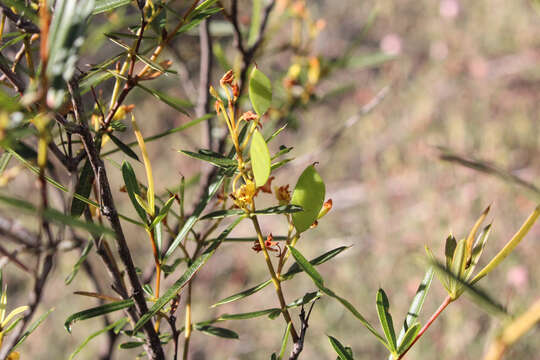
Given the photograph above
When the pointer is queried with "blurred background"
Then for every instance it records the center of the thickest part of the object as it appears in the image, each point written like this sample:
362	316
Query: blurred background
370	90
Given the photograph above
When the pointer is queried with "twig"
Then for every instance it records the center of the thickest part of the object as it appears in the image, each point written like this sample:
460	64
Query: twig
17	83
19	21
14	231
299	345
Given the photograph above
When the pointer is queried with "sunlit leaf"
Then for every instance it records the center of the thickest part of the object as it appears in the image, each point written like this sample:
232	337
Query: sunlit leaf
308	193
108	5
408	337
383	310
216	331
97	311
123	147
260	91
339	348
82	258
260	159
132	188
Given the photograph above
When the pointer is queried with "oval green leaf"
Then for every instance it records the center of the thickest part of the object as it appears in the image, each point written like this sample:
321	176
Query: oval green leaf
260	91
260	159
309	194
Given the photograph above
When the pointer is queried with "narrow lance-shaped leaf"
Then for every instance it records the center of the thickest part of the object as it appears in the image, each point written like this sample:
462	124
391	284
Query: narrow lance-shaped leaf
408	337
260	91
294	269
284	341
110	327
165	133
309	194
211	157
97	311
31	329
190	222
317	279
163	212
216	331
479	296
56	216
184	279
383	310
83	188
82	258
415	308
123	147
175	103
339	348
132	188
260	159
457	268
108	5
510	246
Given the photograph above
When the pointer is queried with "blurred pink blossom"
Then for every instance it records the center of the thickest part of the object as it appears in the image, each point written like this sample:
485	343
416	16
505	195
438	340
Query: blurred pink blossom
449	8
391	44
518	277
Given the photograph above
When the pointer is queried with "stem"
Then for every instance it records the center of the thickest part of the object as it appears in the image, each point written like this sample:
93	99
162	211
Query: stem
158	270
187	322
435	315
275	279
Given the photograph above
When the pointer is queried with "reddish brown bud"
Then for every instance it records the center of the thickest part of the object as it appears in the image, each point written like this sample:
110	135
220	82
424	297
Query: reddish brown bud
227	79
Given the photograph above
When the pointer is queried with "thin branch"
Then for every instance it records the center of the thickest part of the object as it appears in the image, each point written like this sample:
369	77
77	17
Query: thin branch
17	233
17	83
19	21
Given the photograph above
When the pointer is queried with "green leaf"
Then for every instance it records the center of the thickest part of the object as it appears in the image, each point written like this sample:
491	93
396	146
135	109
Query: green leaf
243	294
457	267
110	327
82	258
184	279
415	307
163	212
408	337
31	329
309	194
449	249
282	209
383	310
248	315
97	311
479	296
83	188
306	266
339	348
212	157
220	214
132	188
131	344
66	36
22	9
165	133
284	341
177	104
108	5
317	279
295	268
510	246
4	161
190	222
57	216
123	147
260	159
216	331
260	91
477	250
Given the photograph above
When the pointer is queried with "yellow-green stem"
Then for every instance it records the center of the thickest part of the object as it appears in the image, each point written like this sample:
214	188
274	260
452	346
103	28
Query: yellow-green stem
275	279
188	326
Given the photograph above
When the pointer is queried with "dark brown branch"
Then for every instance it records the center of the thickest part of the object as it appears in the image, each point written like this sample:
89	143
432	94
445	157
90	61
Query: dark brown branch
299	345
17	83
19	21
108	208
